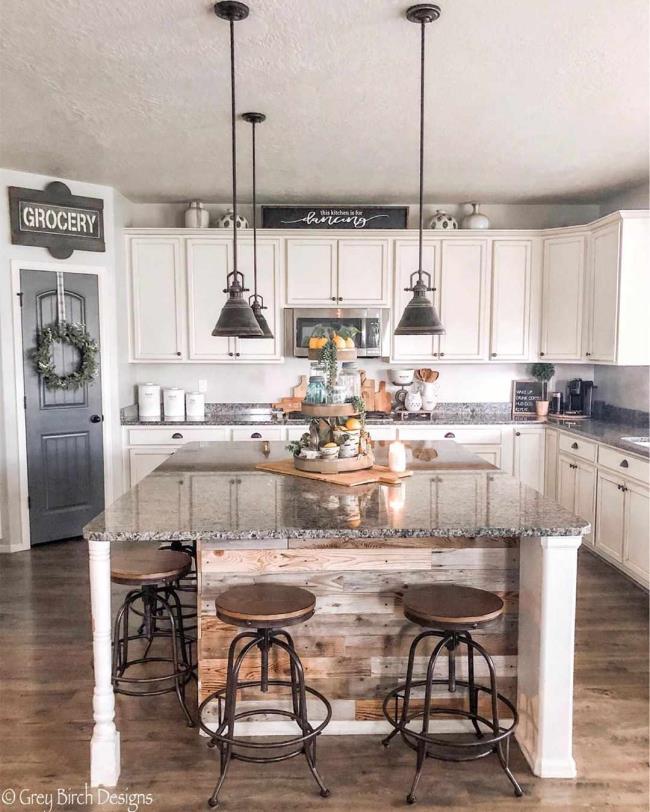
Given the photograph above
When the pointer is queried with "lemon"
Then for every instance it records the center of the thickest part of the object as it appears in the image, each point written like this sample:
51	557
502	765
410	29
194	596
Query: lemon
329	445
353	424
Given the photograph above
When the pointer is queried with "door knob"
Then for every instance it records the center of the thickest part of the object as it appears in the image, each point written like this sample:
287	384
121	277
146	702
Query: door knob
96	418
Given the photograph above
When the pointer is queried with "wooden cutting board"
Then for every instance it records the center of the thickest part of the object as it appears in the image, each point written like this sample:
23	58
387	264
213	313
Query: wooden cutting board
378	473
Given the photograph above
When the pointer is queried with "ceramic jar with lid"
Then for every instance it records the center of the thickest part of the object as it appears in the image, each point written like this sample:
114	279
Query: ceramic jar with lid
196	215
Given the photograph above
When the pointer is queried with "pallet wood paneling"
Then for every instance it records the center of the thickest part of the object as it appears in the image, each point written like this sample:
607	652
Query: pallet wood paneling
269	561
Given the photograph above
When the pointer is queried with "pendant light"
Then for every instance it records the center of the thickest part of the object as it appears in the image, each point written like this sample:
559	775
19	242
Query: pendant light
236	317
256	301
419	316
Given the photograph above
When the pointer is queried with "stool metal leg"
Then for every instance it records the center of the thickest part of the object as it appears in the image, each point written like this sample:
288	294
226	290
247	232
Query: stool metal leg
473	691
179	680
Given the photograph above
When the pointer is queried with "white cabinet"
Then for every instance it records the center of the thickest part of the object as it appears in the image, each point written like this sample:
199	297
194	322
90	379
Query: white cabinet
348	272
636	540
414	348
511	300
143	461
529	456
577	489
551	442
208	263
618	292
156	299
563	298
464	305
611	515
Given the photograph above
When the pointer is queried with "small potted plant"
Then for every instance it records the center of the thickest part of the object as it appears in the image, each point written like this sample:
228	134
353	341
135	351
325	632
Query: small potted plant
542	373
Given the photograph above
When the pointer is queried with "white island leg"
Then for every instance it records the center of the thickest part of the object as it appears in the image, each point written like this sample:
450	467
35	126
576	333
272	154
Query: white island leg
547	604
105	742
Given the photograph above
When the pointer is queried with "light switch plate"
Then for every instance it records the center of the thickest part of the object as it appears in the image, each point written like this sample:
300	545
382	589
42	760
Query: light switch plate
203	385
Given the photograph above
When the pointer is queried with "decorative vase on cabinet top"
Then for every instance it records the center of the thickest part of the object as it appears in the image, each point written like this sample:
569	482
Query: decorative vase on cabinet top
475	219
227	220
443	221
196	216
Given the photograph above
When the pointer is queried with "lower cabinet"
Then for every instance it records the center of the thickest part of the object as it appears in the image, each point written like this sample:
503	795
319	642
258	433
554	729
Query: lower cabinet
551	463
143	461
529	456
576	489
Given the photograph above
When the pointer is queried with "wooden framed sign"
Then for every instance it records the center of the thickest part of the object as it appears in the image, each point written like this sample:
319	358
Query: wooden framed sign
524	396
55	219
352	217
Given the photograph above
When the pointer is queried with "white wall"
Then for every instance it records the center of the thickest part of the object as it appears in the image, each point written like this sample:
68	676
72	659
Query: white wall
635	197
628	387
11	510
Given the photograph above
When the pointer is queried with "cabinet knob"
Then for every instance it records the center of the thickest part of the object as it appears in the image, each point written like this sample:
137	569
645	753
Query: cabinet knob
587	354
441	354
237	354
333	298
625	464
179	353
435	354
449	435
177	436
542	354
574	445
231	354
494	355
517	434
256	436
340	298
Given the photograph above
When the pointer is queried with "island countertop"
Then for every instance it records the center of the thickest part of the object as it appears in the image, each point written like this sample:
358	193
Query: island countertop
212	491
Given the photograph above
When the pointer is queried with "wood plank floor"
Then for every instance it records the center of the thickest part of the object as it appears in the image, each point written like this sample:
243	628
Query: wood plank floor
45	711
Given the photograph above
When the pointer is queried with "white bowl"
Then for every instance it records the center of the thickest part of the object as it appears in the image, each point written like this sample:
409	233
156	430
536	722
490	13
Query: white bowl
401	377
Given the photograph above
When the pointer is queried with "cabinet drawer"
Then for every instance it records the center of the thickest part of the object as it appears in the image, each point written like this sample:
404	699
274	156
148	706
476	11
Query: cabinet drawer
257	433
174	435
461	435
578	447
624	464
383	432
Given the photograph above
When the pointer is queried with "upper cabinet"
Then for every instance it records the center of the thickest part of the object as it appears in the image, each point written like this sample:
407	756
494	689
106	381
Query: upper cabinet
337	272
563	298
618	291
512	293
177	294
157	325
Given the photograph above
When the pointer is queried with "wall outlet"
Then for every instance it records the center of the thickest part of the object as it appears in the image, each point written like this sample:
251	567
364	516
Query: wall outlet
203	385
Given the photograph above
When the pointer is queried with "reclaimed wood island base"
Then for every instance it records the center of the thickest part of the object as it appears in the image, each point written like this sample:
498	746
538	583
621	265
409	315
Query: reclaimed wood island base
457	519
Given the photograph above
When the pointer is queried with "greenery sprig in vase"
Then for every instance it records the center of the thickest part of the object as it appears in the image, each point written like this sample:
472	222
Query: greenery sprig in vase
542	373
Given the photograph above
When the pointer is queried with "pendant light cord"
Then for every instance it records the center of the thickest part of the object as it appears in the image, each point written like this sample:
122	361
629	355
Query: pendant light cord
254	221
234	144
421	225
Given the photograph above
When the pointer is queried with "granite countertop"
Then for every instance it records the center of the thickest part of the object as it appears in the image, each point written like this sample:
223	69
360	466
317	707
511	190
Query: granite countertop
606	432
212	491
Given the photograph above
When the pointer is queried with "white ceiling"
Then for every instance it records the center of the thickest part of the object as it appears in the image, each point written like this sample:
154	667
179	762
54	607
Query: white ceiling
527	100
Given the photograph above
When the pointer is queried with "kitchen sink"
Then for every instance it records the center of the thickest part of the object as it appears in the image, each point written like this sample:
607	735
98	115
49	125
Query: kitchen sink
644	442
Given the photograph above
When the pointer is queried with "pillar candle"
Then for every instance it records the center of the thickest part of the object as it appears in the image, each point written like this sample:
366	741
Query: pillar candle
397	457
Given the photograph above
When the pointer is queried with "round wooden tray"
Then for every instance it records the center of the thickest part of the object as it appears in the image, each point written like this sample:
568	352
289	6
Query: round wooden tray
341	355
335	466
328	409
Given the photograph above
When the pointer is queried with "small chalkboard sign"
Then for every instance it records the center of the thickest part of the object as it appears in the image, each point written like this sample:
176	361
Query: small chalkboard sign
524	396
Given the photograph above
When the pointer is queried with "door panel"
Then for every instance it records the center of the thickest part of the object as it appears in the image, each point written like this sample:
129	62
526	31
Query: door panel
511	287
637	530
268	283
604	293
411	348
208	264
611	515
562	298
566	487
463	299
65	459
585	503
362	278
311	272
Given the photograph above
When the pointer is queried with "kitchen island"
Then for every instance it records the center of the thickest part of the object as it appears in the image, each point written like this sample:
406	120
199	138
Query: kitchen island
456	519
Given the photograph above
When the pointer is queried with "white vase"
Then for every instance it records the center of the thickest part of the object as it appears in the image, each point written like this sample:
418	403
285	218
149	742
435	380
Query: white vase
227	220
413	401
475	219
443	221
429	396
196	216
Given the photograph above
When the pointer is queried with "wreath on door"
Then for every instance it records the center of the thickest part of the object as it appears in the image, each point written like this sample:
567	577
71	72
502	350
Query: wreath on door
76	335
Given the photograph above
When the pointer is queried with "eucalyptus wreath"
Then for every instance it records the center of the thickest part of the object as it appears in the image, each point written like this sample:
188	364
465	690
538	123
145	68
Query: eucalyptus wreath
76	335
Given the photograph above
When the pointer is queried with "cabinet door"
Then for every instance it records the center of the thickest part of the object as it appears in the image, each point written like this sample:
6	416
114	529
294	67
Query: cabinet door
413	348
585	497
636	547
610	518
529	457
143	461
566	483
489	453
311	272
511	292
562	298
157	299
363	272
550	464
604	278
209	261
268	286
463	300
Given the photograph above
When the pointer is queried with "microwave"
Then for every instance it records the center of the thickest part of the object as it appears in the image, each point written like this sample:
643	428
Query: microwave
370	323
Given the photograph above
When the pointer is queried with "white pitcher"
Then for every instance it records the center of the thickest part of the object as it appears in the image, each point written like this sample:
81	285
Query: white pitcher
429	396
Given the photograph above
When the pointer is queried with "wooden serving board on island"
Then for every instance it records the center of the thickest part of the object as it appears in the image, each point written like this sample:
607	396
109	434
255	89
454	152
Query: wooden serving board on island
378	473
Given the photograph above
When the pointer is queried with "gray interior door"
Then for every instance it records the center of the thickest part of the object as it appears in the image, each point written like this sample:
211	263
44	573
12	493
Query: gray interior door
65	460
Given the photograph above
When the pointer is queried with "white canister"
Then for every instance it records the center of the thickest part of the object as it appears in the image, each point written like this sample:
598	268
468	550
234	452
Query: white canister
149	401
429	391
195	406
174	403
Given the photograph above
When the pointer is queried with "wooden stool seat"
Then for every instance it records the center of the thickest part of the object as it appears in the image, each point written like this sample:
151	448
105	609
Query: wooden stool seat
147	567
265	605
448	606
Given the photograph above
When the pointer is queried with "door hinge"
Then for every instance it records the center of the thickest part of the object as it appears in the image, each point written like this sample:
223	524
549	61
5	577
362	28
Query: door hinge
29	503
24	401
20	296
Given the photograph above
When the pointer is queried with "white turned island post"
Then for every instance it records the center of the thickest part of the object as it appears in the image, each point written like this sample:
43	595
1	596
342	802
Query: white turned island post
105	742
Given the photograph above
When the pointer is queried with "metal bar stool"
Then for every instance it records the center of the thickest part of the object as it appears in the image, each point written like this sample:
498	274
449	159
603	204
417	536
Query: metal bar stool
449	612
267	608
155	600
187	586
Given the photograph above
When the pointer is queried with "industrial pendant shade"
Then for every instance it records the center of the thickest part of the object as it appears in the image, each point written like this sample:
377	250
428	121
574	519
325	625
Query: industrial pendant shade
256	301
419	316
237	317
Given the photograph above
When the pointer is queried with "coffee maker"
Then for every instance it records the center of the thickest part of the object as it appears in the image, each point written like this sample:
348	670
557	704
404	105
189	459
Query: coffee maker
579	396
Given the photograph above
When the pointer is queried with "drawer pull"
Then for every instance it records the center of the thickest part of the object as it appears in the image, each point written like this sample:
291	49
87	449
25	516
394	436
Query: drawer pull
625	464
574	445
333	298
256	436
442	354
450	435
177	436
